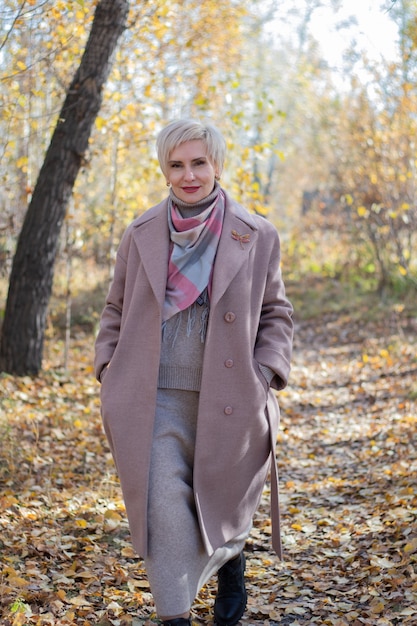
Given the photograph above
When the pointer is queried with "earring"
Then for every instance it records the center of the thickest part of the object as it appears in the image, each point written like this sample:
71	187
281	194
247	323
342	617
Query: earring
168	184
217	177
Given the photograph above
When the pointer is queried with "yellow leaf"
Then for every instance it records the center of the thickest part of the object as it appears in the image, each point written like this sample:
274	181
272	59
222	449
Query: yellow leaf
100	122
8	501
81	523
128	552
22	161
112	515
19	620
18	581
293	510
378	607
411	546
111	520
362	211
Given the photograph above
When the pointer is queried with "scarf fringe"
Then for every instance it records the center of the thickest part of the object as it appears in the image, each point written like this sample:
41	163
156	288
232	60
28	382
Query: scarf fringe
171	327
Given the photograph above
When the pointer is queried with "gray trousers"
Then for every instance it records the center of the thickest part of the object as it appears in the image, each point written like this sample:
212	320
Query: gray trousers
177	564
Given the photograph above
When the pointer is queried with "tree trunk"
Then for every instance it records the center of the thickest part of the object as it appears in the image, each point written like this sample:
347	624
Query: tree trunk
33	264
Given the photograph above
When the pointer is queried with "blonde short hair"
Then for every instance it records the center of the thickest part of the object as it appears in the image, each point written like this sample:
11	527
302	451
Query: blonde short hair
181	131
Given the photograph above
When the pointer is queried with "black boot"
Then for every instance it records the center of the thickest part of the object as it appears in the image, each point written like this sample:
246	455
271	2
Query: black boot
178	621
231	597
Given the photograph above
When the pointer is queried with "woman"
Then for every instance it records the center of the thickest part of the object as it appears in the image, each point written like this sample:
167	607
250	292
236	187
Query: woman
195	335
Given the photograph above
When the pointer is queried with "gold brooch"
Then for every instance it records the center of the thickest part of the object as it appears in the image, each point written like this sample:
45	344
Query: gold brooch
242	238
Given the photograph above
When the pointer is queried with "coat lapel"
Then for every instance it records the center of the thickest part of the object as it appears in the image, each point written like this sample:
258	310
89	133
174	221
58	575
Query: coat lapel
151	236
239	235
152	240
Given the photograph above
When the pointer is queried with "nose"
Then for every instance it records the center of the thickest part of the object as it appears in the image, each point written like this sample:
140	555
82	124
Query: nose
189	174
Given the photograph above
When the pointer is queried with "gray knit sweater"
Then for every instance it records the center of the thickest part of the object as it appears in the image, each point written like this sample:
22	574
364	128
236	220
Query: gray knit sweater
183	348
183	335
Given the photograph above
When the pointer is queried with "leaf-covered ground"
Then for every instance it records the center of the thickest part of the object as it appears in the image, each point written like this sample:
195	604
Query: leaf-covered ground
347	453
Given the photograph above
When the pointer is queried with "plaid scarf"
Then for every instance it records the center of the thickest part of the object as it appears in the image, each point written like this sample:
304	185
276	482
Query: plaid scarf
194	242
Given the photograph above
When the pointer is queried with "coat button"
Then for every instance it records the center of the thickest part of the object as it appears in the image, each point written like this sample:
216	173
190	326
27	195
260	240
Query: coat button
229	363
230	317
228	410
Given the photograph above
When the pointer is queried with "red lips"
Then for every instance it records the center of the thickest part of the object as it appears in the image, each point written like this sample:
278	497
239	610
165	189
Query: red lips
190	189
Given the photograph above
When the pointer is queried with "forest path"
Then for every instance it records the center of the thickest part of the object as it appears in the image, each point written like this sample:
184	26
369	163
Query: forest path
347	456
348	464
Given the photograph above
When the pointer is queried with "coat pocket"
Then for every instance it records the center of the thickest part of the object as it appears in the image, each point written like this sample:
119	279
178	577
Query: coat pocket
261	378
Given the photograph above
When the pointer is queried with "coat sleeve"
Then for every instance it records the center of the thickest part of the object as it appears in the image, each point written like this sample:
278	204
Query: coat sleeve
273	346
111	317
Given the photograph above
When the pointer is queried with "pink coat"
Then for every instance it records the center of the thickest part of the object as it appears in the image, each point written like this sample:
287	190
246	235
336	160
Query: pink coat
250	323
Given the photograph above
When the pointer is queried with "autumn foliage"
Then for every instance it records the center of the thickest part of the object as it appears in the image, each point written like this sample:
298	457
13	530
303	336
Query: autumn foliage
334	166
291	128
347	457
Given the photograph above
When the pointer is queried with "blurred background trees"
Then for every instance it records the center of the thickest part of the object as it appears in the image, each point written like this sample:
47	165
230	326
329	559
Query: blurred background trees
31	278
324	148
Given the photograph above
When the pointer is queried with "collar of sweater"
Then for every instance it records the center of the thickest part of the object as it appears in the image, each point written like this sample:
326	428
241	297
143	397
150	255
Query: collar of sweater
192	209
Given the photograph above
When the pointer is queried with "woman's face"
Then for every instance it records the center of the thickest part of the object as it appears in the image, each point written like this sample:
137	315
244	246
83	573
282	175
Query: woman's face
190	172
